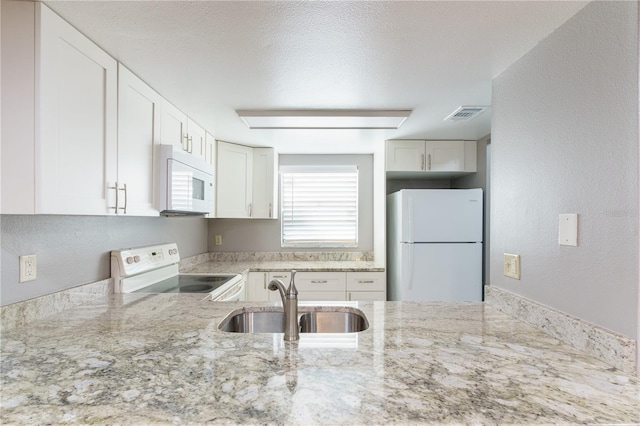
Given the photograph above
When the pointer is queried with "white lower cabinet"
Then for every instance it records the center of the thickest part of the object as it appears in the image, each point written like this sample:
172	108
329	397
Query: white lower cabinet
258	282
320	286
366	286
321	296
366	295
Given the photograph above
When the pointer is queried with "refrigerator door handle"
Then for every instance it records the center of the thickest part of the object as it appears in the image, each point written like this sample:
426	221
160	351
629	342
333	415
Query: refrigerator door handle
409	236
411	255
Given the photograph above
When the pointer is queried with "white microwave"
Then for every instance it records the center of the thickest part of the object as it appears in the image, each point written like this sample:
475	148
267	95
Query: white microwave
186	183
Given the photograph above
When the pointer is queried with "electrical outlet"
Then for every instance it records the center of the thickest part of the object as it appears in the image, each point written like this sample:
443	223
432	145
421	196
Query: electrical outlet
218	240
512	265
27	268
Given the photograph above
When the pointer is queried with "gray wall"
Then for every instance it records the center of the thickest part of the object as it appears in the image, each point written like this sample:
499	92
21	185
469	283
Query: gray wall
87	240
264	234
565	140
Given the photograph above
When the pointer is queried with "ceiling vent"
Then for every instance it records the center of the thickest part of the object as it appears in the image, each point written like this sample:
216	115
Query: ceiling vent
465	113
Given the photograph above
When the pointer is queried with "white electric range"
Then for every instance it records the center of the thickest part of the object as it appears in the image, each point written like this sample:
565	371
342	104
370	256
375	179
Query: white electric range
154	269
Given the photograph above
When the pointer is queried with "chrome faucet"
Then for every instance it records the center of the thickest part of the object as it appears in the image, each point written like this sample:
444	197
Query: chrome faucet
290	305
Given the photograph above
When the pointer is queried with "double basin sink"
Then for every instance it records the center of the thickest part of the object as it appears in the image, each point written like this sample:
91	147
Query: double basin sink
311	319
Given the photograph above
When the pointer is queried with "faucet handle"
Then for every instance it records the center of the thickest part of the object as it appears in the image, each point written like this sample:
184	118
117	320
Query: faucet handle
292	291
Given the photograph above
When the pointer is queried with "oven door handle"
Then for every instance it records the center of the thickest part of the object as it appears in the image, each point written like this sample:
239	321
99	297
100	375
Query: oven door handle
236	296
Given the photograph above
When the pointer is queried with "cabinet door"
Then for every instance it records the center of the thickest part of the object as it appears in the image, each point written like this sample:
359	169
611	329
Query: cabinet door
173	127
77	130
265	191
196	139
258	282
235	169
138	136
210	149
445	156
321	296
405	155
366	295
257	287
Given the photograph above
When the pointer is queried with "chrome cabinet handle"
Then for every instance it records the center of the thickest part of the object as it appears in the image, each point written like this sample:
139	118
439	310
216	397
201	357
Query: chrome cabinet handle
280	276
250	210
318	281
270	211
185	140
264	279
116	188
421	161
126	198
365	281
190	144
429	162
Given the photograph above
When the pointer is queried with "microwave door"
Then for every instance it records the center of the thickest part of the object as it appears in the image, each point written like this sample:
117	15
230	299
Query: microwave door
189	189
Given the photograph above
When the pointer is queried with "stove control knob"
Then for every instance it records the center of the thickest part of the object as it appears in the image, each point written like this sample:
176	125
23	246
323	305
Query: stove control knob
136	259
129	260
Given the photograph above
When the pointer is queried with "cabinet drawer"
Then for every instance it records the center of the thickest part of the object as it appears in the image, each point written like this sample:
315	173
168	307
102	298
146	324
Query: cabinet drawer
321	281
285	277
366	295
366	281
319	296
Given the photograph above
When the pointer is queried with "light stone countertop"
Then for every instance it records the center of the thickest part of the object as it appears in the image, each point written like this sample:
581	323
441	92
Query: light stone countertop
242	267
140	359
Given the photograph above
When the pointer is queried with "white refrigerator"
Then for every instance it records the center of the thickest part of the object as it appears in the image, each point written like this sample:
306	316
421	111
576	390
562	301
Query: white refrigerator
434	245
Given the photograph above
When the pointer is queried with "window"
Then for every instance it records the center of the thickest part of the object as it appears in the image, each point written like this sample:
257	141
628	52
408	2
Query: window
319	206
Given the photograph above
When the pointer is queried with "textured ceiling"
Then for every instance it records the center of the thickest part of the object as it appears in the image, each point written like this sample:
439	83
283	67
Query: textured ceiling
212	57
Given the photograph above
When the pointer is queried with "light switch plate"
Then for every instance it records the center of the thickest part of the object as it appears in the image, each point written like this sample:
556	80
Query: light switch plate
568	230
512	265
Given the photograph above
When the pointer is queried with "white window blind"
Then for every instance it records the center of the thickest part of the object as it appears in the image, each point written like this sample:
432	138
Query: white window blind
319	206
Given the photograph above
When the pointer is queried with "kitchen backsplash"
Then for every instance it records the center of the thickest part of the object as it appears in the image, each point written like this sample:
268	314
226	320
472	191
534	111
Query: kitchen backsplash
291	256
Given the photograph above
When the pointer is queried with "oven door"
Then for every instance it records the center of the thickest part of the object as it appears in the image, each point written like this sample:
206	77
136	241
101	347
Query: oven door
235	293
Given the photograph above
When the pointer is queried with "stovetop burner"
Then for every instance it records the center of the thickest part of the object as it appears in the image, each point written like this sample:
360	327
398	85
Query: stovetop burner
188	284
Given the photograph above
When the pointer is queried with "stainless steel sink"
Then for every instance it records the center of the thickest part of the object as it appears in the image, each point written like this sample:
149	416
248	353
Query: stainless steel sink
341	320
254	322
332	322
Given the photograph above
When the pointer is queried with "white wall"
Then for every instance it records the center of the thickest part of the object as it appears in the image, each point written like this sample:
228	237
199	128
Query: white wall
85	240
565	140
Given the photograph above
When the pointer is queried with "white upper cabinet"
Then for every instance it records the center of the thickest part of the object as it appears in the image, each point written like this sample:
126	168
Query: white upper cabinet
265	184
247	182
210	149
235	181
405	155
173	127
77	130
196	137
61	158
183	133
425	159
444	156
138	137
